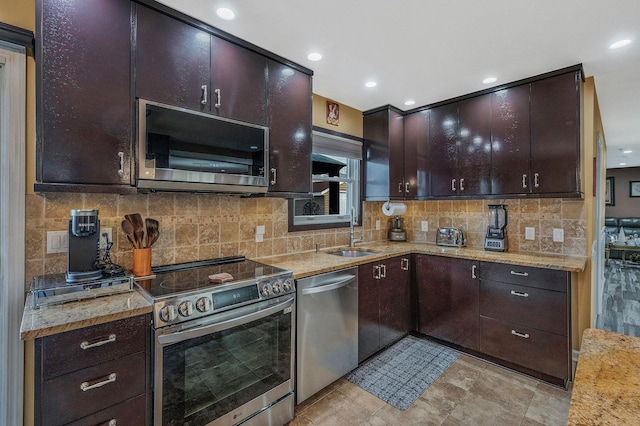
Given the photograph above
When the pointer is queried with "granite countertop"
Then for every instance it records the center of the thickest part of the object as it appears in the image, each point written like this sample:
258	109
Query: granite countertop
54	319
311	263
606	389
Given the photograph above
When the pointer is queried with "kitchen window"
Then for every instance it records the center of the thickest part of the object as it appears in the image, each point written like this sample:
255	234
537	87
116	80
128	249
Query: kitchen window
336	161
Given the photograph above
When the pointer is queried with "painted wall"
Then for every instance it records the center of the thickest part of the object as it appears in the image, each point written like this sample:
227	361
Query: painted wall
350	118
625	205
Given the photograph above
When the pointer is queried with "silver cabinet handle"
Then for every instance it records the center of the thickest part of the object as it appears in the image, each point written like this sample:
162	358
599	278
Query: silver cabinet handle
461	184
218	98
473	272
406	187
524	336
404	264
453	185
520	274
204	94
376	272
535	180
85	386
519	294
383	268
87	345
274	176
524	181
112	422
399	186
121	169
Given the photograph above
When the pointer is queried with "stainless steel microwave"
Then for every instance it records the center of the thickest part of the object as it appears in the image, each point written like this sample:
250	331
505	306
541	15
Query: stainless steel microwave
184	150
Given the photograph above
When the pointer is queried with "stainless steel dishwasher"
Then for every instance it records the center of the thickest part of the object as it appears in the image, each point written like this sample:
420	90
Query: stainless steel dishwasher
327	330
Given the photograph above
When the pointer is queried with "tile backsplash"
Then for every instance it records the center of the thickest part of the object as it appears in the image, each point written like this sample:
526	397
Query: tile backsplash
204	226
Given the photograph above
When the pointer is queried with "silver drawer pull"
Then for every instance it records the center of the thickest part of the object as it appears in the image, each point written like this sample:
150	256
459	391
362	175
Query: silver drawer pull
517	293
85	386
87	345
524	336
520	274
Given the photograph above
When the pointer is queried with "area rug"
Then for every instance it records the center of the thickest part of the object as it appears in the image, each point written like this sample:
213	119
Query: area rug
401	373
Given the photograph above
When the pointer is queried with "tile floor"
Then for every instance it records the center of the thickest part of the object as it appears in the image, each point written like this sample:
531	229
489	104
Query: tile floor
621	298
470	392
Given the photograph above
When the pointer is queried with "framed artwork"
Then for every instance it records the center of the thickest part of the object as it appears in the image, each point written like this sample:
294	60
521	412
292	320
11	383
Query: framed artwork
634	188
609	192
333	113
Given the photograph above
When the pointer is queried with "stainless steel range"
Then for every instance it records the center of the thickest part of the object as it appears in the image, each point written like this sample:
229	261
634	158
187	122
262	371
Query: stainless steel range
223	346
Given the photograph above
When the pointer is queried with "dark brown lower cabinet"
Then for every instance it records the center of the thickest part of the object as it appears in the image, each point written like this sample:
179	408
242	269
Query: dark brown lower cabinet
448	300
94	375
383	304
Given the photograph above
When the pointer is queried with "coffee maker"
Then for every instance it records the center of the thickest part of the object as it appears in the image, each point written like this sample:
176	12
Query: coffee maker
496	239
396	233
83	248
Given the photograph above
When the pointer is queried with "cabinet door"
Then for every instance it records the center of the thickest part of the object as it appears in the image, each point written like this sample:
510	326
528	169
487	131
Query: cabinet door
416	155
394	300
289	94
172	61
555	134
474	148
510	141
83	89
375	128
397	182
238	82
368	310
443	150
448	300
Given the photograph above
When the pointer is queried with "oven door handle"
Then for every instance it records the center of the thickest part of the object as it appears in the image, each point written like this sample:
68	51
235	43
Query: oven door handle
207	328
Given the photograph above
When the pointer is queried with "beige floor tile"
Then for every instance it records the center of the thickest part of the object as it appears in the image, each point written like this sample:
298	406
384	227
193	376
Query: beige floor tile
442	395
360	396
419	413
300	420
511	396
475	410
336	409
512	376
461	374
376	421
549	406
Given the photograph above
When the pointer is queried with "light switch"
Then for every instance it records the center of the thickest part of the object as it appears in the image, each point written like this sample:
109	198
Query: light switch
425	226
260	230
558	235
57	242
529	233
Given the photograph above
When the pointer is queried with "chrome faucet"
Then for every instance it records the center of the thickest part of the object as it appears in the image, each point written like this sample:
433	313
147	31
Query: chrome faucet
352	234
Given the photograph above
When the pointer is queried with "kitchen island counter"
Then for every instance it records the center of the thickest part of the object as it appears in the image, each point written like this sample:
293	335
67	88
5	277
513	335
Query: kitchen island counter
606	388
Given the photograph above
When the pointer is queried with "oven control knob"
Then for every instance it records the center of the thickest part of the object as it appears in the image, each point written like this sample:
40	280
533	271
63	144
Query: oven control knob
266	289
185	308
203	304
277	287
287	286
168	313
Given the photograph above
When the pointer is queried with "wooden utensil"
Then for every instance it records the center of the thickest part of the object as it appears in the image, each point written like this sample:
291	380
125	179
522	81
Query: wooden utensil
128	229
138	228
152	231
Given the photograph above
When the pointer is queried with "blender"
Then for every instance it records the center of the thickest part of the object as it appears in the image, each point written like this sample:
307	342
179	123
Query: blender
496	239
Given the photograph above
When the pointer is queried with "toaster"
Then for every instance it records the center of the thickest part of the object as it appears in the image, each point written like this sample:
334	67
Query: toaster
451	237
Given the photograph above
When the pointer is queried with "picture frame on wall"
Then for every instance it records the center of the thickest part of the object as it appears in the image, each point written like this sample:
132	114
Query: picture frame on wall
634	188
609	192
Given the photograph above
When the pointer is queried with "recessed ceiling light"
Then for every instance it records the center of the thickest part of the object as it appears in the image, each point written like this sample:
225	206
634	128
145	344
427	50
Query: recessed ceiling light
622	164
315	56
489	80
371	84
410	102
627	151
620	43
226	13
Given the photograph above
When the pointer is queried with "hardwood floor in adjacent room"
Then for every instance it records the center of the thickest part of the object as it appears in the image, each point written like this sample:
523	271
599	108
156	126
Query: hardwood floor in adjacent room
470	392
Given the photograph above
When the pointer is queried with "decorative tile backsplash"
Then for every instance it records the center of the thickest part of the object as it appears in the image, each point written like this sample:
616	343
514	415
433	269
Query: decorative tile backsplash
204	226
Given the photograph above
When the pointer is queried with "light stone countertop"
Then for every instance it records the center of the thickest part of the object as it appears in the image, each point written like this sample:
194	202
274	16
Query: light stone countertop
54	319
606	389
305	264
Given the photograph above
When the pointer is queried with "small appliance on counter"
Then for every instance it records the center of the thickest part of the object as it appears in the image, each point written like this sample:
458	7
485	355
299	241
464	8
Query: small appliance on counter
396	233
496	239
451	237
83	249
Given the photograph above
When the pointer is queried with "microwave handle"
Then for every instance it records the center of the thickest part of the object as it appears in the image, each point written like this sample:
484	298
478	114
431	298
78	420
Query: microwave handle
274	176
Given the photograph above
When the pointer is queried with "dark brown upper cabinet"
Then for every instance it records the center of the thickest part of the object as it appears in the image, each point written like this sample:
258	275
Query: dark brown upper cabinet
443	149
416	155
172	61
289	98
83	97
555	135
384	168
510	142
474	146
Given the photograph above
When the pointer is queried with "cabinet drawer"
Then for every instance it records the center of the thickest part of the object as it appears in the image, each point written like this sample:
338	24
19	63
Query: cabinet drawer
549	279
64	400
63	353
537	350
130	412
533	307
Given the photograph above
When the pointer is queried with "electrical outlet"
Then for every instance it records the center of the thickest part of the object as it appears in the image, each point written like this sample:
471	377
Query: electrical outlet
558	235
260	230
103	243
425	226
377	224
529	233
57	241
259	238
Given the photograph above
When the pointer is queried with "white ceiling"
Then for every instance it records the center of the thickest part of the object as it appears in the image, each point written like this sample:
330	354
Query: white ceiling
434	50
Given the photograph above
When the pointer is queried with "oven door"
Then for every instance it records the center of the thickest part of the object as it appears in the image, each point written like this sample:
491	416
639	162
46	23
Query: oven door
227	367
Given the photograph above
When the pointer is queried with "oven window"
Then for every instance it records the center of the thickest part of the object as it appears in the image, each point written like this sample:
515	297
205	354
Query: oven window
207	377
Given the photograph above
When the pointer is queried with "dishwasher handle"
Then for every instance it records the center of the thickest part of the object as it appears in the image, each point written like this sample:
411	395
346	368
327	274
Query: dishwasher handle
330	285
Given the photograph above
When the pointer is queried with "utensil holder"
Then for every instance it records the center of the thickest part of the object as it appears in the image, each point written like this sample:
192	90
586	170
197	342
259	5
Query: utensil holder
142	262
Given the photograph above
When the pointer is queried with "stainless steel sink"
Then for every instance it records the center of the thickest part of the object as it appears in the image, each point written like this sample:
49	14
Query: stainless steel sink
352	253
